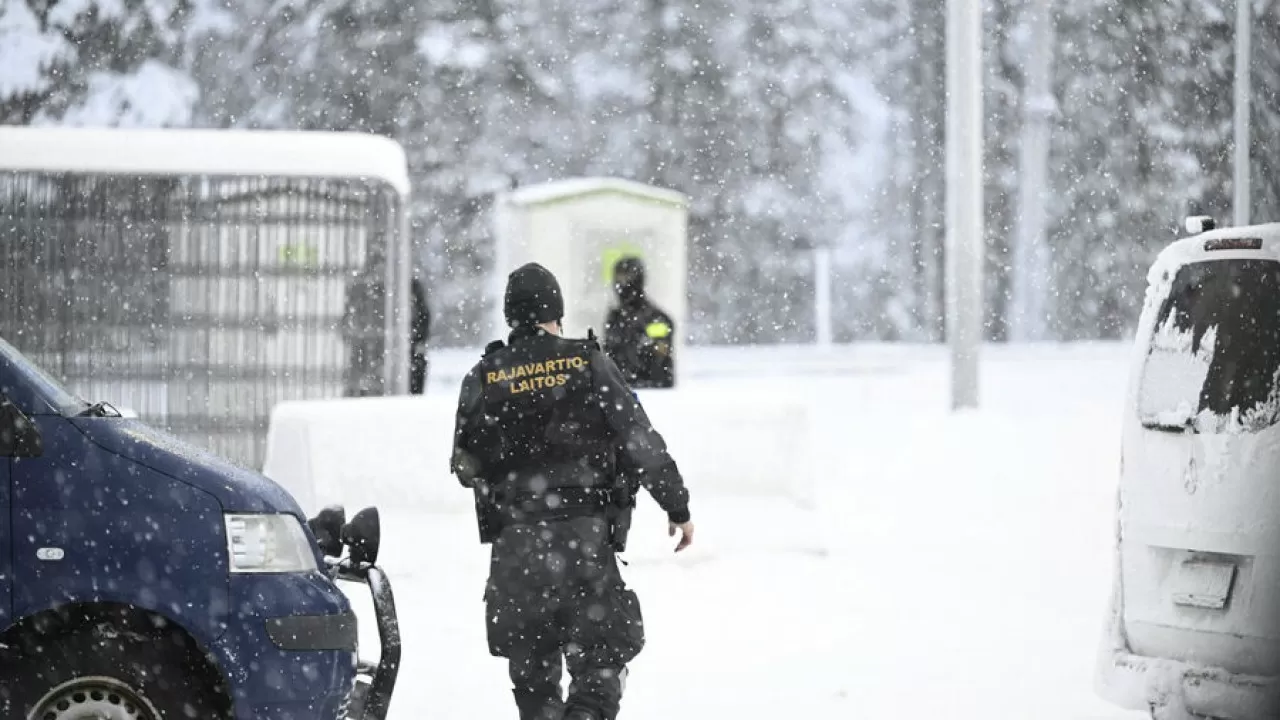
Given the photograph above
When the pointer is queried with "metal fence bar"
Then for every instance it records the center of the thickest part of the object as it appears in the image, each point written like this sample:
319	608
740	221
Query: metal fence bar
203	301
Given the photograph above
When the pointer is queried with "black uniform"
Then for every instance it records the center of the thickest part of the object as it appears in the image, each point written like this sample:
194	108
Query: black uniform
365	332
637	335
419	333
543	425
364	329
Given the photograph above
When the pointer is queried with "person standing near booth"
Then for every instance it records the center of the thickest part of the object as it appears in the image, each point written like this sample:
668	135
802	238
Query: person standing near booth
638	336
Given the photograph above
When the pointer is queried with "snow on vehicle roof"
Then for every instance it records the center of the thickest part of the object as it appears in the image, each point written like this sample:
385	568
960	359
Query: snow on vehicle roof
1191	248
170	151
558	190
1262	230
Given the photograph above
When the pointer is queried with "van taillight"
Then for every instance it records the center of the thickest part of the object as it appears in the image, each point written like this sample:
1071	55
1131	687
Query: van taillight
1233	244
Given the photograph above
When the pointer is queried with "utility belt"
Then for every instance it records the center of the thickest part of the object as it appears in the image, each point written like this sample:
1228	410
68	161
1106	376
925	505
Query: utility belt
559	502
526	508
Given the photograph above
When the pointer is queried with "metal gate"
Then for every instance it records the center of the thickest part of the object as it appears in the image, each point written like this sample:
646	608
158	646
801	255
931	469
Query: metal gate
201	301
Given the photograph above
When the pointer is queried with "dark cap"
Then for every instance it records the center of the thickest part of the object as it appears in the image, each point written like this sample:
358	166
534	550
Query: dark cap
532	296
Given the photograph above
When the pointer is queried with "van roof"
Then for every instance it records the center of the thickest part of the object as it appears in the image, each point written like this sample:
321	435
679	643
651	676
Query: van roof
174	151
1192	248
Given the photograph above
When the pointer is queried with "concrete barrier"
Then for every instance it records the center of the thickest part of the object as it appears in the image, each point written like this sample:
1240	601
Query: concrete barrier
395	451
741	456
391	452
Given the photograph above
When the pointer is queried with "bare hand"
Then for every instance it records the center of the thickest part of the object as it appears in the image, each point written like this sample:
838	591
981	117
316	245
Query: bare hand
686	534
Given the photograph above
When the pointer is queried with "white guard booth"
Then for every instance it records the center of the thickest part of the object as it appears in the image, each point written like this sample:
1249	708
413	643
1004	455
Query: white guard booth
578	228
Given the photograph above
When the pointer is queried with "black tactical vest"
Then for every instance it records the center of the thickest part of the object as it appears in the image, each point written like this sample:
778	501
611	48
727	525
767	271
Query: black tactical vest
546	429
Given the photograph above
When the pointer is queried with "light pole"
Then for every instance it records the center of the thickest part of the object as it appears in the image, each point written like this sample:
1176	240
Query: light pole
822	293
1027	312
1240	159
964	197
820	255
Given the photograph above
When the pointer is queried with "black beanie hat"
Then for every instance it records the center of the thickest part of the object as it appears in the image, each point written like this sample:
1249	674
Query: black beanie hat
532	297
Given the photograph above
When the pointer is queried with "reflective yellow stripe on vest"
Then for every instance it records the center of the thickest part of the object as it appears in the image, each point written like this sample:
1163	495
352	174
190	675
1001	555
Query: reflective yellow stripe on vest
657	330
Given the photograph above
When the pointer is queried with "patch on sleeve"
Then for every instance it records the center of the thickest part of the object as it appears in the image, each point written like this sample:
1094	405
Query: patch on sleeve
657	330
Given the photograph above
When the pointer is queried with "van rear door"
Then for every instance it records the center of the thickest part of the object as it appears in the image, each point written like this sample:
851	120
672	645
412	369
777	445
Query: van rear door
1201	578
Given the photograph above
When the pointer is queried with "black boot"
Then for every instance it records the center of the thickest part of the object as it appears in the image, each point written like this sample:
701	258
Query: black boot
534	705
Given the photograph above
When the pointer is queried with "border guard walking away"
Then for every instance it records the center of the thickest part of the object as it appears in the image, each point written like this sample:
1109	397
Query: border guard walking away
553	443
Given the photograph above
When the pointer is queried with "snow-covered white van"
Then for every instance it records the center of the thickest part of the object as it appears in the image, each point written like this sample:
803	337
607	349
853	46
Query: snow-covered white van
1193	630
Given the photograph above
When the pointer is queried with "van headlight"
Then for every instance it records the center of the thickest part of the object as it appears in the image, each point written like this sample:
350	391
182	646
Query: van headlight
268	543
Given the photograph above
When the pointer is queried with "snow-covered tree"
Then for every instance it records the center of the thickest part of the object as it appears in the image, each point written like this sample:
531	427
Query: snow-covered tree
1143	140
788	124
88	62
1265	115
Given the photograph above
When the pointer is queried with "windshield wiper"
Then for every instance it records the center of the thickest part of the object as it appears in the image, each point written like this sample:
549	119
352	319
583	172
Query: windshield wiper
100	409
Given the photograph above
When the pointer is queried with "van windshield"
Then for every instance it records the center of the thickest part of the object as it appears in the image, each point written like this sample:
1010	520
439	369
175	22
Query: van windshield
62	399
1214	357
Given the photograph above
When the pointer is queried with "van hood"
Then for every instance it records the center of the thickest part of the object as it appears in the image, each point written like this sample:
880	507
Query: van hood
238	489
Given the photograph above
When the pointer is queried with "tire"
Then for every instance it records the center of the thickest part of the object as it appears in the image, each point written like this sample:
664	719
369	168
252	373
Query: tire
118	670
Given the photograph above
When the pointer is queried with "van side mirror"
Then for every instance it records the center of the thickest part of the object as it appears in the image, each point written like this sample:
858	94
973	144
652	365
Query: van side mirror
363	535
19	436
327	527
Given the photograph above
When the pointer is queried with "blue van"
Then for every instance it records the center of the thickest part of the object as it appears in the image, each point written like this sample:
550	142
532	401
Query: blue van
142	578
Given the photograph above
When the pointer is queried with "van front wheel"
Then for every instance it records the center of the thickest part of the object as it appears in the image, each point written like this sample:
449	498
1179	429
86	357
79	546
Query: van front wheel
94	697
105	671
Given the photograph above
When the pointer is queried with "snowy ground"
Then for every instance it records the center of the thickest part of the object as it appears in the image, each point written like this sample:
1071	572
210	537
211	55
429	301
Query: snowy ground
965	574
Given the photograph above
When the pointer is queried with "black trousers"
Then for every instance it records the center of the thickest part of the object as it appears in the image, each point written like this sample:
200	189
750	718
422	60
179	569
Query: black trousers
417	373
556	598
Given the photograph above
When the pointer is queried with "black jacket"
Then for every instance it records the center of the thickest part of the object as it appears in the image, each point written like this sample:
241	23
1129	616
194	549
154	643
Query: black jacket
544	413
640	339
420	315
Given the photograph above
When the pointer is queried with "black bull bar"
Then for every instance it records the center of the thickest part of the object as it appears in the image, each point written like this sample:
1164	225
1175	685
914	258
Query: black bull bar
371	697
